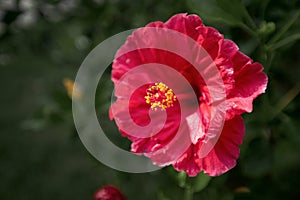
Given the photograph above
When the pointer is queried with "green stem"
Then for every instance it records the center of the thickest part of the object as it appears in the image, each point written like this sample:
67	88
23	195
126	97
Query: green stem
286	100
249	19
188	193
283	42
284	29
270	58
248	30
264	7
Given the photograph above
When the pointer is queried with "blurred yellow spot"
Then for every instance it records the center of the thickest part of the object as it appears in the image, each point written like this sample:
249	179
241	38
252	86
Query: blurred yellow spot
242	189
72	90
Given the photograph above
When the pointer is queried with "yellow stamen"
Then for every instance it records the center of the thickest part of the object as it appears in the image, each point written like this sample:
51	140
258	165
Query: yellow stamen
159	95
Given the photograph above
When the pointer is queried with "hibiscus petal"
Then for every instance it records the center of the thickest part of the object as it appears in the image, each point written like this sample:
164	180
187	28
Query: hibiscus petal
226	151
210	39
221	158
250	82
186	24
188	161
196	130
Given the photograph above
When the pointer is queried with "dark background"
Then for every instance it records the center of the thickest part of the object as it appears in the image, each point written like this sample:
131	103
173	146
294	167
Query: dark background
44	42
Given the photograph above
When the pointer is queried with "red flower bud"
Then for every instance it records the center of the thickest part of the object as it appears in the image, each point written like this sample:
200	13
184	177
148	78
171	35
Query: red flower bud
109	192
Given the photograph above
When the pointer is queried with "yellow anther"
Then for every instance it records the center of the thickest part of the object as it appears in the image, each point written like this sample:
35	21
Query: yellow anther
159	95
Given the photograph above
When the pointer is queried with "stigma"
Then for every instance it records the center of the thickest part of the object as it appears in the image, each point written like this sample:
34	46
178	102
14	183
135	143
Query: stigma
160	95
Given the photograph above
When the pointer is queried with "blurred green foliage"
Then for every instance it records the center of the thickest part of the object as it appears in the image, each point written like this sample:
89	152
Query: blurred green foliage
43	42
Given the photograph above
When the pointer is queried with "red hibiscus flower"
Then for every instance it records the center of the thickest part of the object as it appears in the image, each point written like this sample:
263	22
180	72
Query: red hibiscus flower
181	88
109	192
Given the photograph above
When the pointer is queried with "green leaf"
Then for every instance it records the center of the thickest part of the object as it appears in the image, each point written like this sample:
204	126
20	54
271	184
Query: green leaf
219	10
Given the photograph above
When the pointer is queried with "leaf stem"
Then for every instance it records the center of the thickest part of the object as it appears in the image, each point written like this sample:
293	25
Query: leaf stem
248	30
263	8
188	193
270	58
283	42
286	100
249	19
284	29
